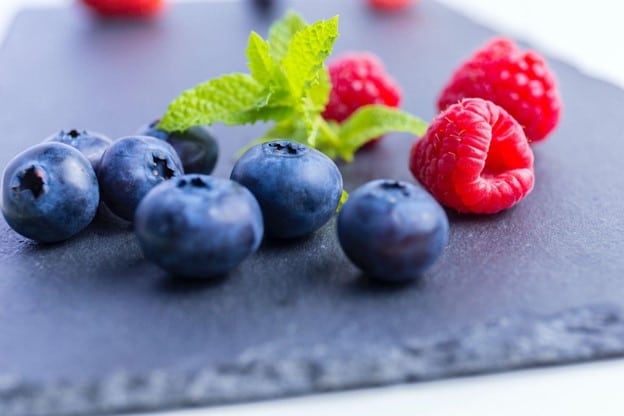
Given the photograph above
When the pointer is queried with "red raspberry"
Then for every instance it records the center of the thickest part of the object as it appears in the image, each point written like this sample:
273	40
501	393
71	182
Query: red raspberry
130	8
520	82
359	79
390	5
475	158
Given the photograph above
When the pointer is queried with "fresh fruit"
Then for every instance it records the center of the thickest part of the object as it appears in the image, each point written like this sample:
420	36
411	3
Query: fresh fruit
89	143
197	149
518	81
298	188
130	167
128	8
390	5
474	158
359	79
392	230
198	226
49	192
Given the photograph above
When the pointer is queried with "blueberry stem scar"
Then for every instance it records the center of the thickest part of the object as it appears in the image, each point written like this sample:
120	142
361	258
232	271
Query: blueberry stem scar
31	180
73	133
161	168
198	183
289	148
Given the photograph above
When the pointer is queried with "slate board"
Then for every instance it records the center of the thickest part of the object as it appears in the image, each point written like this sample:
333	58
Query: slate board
89	327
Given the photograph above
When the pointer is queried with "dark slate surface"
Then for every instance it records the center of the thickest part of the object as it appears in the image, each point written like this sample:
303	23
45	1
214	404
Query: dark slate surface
88	326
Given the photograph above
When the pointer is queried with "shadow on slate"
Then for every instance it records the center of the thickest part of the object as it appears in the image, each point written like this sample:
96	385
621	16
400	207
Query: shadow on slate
89	326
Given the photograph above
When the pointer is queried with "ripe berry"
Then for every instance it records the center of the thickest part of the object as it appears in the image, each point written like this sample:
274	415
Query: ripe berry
298	188
520	82
49	192
390	5
197	149
198	226
392	230
359	79
130	167
89	143
128	8
474	157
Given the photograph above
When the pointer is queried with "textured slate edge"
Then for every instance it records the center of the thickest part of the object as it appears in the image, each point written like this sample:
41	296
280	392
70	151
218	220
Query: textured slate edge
580	334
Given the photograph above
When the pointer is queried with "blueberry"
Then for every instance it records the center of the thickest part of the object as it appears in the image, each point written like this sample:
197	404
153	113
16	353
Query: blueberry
49	192
198	226
197	149
264	4
130	167
392	230
89	143
298	188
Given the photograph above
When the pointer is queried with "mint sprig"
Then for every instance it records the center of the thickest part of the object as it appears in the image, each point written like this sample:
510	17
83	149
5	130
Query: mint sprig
289	85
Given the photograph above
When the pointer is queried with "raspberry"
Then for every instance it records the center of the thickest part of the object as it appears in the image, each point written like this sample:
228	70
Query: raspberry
520	82
359	79
474	158
130	8
390	5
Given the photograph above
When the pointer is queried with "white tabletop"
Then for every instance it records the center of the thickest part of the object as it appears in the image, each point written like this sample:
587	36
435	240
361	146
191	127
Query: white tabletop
589	35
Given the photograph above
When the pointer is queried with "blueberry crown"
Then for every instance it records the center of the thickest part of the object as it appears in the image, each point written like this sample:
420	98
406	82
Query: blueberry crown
285	148
195	182
160	167
31	179
399	187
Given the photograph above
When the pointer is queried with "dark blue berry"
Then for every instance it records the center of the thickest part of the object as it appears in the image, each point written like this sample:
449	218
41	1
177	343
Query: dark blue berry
197	149
298	188
89	143
49	192
264	4
130	167
392	230
198	226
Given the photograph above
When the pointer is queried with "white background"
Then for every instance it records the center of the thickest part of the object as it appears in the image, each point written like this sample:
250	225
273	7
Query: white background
589	35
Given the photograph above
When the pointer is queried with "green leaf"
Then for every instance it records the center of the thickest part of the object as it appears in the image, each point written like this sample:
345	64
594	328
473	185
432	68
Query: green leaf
319	90
310	119
260	63
231	99
376	120
281	32
306	54
267	113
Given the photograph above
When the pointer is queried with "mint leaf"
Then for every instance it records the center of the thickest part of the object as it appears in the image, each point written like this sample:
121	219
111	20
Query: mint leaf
372	121
231	99
260	63
281	32
320	89
307	79
306	54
